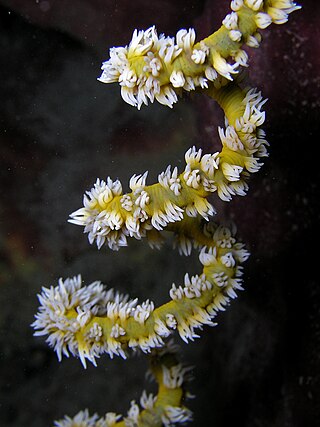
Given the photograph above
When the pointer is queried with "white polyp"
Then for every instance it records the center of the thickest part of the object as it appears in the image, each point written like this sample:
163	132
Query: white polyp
206	258
254	4
128	78
228	260
143	199
210	163
198	56
236	5
223	67
288	5
171	321
175	415
231	21
210	73
193	156
252	41
241	57
138	182
128	96
82	418
262	20
177	78
209	185
235	35
166	96
231	172
133	413
161	329
278	16
192	178
117	331
186	39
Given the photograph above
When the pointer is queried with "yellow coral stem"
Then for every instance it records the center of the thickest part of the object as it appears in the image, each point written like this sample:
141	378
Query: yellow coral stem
230	99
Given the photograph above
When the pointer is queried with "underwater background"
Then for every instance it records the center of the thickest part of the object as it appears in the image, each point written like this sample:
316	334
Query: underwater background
60	129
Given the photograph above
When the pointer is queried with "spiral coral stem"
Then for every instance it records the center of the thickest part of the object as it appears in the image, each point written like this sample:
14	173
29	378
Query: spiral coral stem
164	409
109	216
89	321
159	67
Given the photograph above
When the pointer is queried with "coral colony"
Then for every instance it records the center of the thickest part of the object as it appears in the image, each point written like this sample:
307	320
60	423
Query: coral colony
88	321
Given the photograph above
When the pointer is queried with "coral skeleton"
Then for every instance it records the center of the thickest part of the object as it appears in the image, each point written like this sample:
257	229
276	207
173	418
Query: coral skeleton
88	321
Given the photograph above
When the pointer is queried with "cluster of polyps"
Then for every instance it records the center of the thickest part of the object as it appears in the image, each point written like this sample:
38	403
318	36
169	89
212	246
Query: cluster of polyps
88	321
158	67
166	408
109	216
244	144
140	67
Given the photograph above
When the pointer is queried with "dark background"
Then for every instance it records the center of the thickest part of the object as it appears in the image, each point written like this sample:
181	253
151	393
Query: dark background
60	129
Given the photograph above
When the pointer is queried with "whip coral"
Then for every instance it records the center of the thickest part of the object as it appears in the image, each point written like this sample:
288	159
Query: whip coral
89	321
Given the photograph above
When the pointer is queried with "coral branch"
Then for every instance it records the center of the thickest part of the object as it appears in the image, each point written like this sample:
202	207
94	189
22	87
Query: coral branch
165	409
88	321
159	67
110	217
